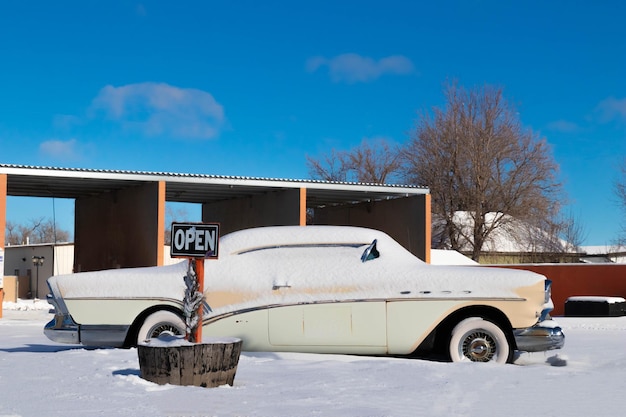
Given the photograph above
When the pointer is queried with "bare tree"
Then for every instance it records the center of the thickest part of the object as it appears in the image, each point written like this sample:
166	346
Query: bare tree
620	190
331	167
572	232
477	158
172	214
40	230
12	234
374	161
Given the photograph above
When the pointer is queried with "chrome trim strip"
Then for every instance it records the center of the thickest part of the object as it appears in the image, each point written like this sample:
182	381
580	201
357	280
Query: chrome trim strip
55	299
209	320
301	246
103	335
163	299
547	291
544	314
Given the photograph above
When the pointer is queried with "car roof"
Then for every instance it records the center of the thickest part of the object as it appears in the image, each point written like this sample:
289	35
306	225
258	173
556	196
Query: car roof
277	236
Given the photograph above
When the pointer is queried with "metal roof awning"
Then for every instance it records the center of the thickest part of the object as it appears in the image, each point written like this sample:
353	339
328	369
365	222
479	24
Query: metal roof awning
34	181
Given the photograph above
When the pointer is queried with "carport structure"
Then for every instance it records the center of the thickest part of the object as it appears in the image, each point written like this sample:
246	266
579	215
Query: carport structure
120	215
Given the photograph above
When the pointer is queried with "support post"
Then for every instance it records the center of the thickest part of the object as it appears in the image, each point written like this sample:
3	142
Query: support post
200	277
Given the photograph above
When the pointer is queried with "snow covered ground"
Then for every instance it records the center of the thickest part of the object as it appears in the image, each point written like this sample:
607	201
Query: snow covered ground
42	378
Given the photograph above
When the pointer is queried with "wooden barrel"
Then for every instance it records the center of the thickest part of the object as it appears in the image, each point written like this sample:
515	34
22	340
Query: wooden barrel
208	364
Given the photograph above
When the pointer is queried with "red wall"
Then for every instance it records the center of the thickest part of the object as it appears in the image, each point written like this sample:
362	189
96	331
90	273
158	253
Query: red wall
569	280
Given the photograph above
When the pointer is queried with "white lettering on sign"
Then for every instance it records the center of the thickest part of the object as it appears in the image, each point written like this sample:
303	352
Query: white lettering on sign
196	240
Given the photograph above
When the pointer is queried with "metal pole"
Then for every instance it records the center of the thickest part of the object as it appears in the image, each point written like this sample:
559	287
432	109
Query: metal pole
37	262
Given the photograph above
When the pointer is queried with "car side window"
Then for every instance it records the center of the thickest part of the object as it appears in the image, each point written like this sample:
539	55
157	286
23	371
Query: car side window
370	252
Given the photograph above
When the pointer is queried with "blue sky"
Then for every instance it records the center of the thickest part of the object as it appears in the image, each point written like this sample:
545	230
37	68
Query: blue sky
251	88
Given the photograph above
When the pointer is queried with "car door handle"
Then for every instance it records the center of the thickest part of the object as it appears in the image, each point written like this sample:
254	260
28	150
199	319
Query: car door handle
278	285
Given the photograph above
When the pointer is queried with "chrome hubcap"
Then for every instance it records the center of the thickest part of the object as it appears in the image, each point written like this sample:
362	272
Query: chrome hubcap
479	346
166	329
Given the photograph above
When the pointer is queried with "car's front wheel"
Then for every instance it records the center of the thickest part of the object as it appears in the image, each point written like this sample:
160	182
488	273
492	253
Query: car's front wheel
478	340
161	323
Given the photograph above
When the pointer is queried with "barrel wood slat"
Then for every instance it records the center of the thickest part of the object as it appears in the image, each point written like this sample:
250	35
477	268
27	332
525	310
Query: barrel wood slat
200	364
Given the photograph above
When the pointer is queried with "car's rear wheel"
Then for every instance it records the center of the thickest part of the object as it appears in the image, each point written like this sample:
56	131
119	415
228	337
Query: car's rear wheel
161	323
478	340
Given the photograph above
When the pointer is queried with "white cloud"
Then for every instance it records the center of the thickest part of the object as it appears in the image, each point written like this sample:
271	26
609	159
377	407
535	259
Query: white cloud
353	68
60	150
612	109
157	109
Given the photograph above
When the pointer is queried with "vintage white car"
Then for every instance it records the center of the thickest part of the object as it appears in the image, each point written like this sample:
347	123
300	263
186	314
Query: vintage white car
323	289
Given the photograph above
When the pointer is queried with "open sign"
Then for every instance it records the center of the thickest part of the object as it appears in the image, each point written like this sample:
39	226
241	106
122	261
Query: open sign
195	240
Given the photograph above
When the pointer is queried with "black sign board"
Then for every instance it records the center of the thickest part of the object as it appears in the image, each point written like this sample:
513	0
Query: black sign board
195	240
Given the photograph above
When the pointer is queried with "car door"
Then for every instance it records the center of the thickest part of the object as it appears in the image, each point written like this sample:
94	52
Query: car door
332	326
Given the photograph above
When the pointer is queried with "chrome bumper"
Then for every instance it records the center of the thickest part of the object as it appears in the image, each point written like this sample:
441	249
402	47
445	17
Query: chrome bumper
545	335
62	327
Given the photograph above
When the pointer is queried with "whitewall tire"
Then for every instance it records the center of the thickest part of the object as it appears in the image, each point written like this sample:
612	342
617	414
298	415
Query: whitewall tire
478	340
161	323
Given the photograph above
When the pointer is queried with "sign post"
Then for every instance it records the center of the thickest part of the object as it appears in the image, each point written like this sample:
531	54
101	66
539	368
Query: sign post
201	364
200	276
196	242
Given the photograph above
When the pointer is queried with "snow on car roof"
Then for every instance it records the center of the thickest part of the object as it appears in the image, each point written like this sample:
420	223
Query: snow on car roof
449	257
396	268
275	236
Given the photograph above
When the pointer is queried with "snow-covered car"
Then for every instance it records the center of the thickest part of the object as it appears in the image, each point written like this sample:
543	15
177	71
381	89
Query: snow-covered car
322	289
